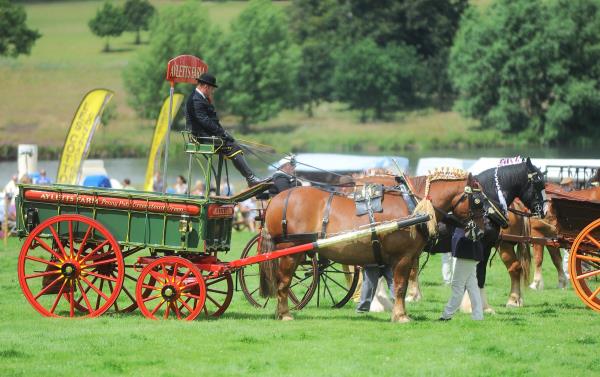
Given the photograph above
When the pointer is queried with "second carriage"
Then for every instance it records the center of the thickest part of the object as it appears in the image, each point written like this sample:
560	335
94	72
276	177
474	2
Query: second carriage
578	230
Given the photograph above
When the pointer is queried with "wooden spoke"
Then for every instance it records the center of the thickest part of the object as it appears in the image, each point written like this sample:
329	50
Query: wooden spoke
588	275
48	249
588	258
57	241
83	242
30	257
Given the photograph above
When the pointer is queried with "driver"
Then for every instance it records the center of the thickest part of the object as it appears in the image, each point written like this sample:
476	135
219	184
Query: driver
201	118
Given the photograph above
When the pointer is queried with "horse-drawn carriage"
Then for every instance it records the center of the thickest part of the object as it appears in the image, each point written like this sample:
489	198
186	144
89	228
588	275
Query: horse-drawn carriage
79	256
577	227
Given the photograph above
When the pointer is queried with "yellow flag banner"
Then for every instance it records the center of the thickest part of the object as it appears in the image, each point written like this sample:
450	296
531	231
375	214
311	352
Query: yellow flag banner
79	137
160	132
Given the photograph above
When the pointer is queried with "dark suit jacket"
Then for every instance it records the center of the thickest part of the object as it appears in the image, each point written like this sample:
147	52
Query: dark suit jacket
282	182
464	248
201	117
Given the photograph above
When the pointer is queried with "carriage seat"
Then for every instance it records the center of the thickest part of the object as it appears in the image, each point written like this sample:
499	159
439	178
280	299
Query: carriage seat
201	145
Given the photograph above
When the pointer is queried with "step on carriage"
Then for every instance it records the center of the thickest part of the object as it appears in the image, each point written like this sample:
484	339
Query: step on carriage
87	250
578	229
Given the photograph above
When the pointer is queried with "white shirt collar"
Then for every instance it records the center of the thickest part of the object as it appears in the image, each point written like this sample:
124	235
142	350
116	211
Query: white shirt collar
202	94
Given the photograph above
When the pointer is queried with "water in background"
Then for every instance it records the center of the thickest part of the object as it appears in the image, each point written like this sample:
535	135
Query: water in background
135	168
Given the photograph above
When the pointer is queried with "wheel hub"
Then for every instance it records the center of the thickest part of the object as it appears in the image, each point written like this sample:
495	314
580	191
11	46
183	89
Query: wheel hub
169	293
69	270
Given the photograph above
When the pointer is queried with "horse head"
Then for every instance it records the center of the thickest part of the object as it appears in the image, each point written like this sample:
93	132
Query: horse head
473	209
458	197
513	178
533	193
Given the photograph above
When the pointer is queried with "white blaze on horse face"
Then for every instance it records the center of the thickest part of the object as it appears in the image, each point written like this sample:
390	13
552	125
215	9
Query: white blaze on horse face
546	202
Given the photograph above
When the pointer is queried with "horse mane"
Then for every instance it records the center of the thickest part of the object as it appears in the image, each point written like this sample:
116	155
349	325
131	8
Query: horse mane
510	174
445	174
425	205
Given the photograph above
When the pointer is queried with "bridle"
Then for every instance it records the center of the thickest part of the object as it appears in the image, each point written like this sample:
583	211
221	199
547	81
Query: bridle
475	197
539	193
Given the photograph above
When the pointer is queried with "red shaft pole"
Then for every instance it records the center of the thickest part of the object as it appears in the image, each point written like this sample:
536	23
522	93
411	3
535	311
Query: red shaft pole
273	255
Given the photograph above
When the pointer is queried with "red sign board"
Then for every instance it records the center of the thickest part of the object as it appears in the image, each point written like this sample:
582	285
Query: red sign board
112	202
185	68
217	211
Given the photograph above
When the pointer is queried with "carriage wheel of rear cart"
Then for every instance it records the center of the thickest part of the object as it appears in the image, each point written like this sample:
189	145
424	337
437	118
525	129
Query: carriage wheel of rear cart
62	276
219	292
126	301
337	283
584	265
177	289
303	286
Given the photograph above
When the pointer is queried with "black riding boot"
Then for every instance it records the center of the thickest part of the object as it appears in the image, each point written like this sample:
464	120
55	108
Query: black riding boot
242	166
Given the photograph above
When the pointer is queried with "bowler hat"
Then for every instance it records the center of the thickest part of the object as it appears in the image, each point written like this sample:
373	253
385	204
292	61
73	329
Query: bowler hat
208	79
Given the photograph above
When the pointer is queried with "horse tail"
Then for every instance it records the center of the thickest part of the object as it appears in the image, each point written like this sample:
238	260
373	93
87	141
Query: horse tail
425	207
524	253
267	269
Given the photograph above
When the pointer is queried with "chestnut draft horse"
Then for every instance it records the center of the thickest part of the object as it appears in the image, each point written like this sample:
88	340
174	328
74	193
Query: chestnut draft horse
517	255
305	207
547	228
512	178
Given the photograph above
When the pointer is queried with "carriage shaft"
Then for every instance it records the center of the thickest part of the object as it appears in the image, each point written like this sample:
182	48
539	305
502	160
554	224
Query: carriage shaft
327	242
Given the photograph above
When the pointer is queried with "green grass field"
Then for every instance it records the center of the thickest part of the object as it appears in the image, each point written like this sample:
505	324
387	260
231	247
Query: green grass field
553	335
40	93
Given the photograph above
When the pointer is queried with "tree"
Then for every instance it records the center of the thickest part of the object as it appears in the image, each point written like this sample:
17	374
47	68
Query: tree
315	26
108	22
258	66
369	77
531	67
138	14
15	37
428	26
176	30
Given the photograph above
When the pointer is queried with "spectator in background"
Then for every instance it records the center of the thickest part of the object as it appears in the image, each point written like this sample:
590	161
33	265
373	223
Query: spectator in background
199	188
127	184
180	185
248	210
595	181
11	188
157	183
567	184
43	179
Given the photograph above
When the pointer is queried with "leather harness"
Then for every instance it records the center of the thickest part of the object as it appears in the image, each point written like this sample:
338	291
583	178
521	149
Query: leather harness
311	237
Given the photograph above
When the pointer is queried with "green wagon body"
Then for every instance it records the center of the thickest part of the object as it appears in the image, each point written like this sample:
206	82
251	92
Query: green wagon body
153	229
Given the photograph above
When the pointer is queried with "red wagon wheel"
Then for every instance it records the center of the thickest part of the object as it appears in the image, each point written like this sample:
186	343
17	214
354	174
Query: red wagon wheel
61	267
178	289
584	265
302	288
126	301
219	292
